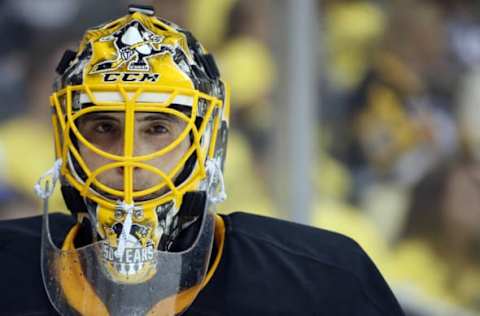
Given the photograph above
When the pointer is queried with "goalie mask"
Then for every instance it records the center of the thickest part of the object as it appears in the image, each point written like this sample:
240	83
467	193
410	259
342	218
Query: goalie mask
140	117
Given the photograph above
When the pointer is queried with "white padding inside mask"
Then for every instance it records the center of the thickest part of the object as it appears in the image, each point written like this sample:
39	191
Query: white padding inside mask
146	97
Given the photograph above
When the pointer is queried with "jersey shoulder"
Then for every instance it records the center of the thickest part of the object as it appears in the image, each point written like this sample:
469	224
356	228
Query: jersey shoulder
319	244
275	267
31	227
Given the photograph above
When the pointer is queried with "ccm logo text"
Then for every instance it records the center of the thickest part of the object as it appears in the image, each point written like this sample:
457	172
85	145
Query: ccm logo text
130	77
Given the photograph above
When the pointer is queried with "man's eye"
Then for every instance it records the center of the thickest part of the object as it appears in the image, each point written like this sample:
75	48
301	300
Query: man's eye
104	128
157	129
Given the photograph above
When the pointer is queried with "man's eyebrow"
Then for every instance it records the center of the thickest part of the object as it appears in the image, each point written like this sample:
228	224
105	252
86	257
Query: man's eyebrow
150	117
97	117
159	116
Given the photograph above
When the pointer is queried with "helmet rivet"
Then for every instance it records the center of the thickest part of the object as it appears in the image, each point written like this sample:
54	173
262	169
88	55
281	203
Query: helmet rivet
118	213
138	213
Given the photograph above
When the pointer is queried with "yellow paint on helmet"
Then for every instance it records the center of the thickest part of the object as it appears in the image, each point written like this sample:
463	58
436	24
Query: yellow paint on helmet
132	68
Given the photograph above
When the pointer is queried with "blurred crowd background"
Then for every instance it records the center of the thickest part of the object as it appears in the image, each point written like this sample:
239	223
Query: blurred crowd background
396	164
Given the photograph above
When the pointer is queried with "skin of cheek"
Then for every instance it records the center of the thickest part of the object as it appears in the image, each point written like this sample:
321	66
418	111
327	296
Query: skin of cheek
143	179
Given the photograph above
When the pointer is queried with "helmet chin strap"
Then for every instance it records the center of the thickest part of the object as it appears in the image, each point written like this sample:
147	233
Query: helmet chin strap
46	183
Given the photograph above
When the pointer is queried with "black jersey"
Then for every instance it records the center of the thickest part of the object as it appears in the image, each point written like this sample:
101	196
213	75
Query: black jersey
268	267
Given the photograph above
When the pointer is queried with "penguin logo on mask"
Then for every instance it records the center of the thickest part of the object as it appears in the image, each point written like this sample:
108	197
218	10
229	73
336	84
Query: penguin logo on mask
134	44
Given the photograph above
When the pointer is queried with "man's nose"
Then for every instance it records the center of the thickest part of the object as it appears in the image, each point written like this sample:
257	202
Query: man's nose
120	171
138	148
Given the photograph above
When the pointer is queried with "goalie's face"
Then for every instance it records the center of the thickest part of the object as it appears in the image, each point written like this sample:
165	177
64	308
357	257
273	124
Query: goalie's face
152	132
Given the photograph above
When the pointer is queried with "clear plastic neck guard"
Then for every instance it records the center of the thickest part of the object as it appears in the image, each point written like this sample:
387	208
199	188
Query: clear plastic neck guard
80	281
